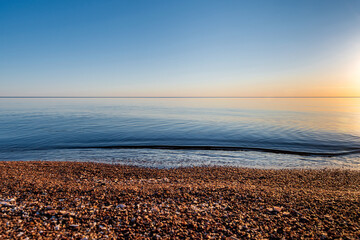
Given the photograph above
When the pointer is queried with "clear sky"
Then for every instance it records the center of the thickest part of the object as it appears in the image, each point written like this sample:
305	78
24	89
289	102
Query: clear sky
180	48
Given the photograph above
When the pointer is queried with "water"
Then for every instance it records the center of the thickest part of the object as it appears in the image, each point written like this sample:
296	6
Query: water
174	132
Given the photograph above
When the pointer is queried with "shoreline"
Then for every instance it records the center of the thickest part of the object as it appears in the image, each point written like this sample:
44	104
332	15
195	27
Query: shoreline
94	200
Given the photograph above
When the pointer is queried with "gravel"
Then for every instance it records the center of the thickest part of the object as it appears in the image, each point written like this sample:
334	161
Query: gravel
69	200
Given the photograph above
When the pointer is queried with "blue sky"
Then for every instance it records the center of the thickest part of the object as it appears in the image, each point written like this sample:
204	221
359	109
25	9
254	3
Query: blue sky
179	48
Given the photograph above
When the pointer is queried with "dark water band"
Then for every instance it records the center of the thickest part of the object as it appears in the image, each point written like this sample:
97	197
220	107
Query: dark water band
224	148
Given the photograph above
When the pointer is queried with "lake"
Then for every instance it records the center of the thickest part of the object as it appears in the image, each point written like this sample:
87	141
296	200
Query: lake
181	132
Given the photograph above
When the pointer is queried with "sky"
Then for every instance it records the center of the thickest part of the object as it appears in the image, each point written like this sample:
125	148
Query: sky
197	48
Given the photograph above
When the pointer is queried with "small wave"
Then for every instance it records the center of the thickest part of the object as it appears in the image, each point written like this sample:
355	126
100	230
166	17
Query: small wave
225	148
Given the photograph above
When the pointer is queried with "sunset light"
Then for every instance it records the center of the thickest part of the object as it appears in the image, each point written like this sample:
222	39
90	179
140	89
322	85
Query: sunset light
231	48
179	119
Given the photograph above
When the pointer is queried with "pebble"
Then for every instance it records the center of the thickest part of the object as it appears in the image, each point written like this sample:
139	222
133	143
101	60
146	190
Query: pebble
277	209
6	204
286	214
304	220
195	203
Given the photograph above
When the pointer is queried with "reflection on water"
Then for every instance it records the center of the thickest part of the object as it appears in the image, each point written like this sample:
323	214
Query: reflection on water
50	128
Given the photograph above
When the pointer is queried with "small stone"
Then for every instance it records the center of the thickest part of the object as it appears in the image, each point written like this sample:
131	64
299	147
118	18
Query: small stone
323	236
121	206
304	220
6	204
274	210
294	212
62	212
277	209
51	212
286	214
155	209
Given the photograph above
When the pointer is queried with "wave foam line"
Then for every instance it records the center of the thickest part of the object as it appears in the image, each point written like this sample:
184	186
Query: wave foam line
223	148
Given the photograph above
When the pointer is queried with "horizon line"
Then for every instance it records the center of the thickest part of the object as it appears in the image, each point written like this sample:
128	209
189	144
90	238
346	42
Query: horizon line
179	97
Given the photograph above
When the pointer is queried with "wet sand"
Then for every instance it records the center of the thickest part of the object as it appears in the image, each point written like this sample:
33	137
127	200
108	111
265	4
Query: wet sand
67	200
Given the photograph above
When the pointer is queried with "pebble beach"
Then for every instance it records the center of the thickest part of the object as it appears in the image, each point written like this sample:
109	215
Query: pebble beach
73	200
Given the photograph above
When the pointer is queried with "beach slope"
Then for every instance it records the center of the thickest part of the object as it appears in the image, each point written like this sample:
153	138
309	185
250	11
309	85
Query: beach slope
67	200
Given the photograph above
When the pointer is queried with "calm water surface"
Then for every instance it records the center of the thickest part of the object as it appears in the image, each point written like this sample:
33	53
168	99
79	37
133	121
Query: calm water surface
173	132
